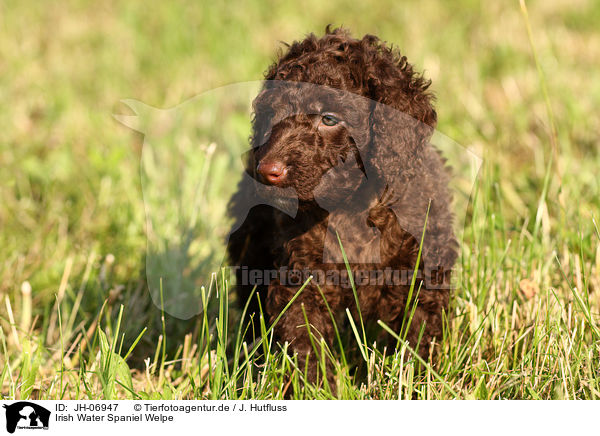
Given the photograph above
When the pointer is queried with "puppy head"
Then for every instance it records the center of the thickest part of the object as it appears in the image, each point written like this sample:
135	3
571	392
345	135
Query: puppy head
337	100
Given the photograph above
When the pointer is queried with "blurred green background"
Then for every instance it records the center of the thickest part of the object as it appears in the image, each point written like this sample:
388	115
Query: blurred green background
70	192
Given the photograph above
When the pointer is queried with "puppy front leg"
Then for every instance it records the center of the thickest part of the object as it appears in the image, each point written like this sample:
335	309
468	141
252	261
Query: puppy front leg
305	340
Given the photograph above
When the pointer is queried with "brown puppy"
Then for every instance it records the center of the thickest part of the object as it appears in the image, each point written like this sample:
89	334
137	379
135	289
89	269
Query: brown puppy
340	141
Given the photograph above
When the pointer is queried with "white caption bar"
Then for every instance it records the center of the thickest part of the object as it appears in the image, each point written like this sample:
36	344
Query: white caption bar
297	417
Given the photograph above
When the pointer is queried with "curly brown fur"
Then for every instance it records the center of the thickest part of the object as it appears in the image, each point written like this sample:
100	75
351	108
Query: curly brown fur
369	178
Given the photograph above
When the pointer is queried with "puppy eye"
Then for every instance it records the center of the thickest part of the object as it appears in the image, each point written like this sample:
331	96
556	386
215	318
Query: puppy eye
329	120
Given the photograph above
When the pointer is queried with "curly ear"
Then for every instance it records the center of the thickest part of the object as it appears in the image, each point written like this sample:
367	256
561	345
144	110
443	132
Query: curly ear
402	121
402	118
397	144
413	171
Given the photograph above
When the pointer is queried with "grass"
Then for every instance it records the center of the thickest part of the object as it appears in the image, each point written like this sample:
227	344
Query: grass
76	317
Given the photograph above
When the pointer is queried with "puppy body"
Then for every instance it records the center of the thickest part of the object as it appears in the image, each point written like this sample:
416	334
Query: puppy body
346	124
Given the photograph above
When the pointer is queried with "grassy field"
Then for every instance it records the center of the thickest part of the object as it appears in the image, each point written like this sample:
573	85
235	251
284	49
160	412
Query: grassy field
76	318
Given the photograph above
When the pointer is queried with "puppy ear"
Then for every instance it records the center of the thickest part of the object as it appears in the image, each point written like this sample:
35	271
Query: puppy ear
398	140
402	116
402	121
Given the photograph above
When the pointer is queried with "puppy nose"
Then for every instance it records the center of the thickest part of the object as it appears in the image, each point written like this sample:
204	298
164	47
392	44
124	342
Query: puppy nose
272	172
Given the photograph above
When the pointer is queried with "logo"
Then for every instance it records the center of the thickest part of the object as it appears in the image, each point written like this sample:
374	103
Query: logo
26	415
